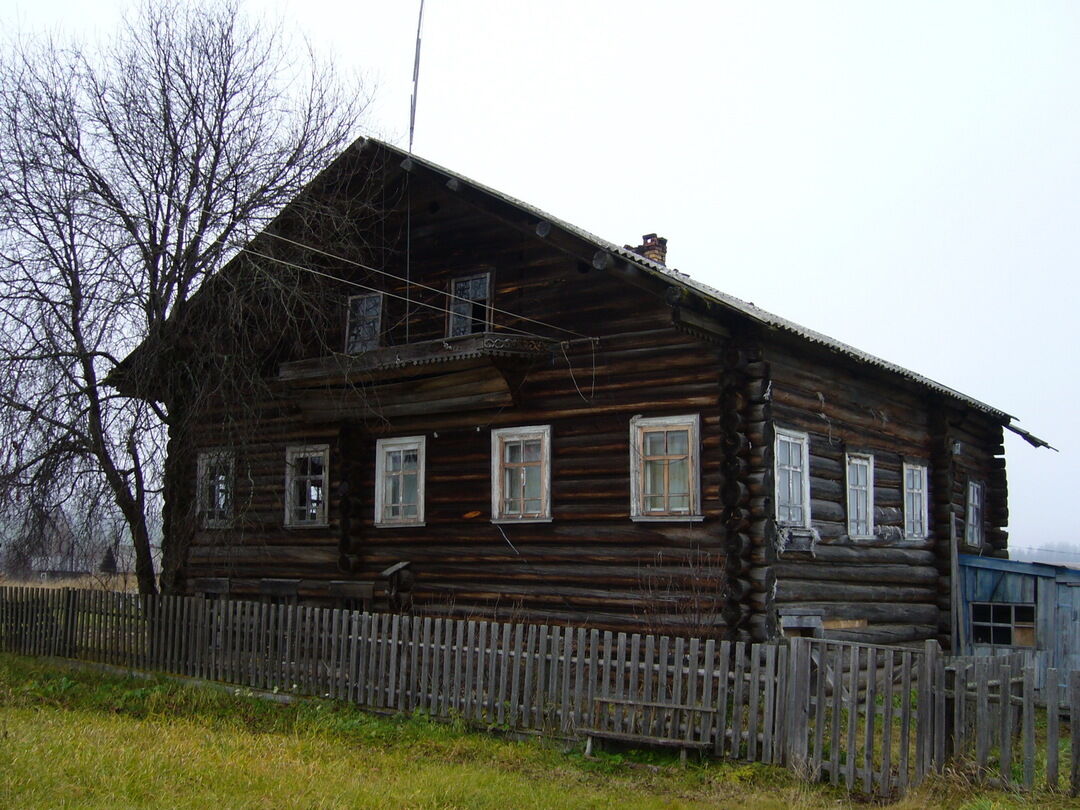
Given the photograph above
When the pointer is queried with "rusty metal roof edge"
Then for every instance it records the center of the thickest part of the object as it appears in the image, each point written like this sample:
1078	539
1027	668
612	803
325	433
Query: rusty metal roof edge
745	308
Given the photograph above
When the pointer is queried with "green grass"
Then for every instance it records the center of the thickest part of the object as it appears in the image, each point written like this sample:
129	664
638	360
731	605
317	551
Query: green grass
72	738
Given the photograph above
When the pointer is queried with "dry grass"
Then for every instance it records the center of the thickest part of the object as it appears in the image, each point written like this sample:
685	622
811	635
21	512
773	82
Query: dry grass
91	582
78	739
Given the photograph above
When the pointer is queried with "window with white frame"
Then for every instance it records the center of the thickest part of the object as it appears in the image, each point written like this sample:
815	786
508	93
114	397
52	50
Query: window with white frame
916	503
665	474
860	495
973	527
521	474
399	481
364	328
215	485
470	305
307	479
792	460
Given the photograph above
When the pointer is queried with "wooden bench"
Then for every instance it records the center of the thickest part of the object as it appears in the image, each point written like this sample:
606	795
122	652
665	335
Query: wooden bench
651	723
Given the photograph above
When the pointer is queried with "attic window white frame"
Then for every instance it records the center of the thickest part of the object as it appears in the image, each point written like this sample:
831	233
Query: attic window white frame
976	506
371	343
382	448
916	501
639	427
294	454
458	302
860	496
785	501
500	438
215	478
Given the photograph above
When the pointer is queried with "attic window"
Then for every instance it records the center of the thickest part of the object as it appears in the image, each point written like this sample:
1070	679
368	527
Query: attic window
973	528
470	305
365	323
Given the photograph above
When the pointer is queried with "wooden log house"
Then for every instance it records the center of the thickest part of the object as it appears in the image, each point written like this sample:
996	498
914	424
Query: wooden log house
495	413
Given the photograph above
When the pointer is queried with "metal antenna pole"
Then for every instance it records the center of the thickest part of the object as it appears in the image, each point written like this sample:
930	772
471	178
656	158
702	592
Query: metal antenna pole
415	77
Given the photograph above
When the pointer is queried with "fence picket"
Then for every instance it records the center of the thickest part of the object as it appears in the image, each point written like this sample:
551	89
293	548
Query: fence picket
1029	727
1053	720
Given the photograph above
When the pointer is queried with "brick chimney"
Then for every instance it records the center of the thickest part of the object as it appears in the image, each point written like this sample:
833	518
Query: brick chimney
652	247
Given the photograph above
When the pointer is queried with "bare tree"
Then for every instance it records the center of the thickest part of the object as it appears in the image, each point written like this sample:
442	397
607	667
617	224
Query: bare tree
128	175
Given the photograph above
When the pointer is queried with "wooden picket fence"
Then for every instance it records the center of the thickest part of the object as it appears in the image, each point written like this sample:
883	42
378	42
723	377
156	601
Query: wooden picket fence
874	719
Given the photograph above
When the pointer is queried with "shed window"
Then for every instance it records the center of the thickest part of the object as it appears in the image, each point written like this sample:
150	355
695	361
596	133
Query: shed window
792	478
399	481
973	528
521	474
306	480
665	467
215	485
470	305
1003	624
860	495
365	323
916	510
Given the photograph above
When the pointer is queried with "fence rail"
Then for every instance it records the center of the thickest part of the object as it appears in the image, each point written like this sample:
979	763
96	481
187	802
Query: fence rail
876	719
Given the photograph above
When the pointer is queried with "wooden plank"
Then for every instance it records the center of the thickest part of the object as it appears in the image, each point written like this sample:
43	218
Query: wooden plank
903	776
503	671
528	692
1053	726
678	677
566	706
1074	734
425	667
692	717
769	708
871	716
648	676
593	679
580	690
468	699
887	723
457	696
939	714
1029	727
708	665
1005	721
797	742
620	690
539	699
851	749
754	703
394	654
738	700
982	719
446	686
515	670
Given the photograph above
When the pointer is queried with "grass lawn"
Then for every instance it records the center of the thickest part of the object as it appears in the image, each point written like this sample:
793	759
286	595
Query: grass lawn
71	738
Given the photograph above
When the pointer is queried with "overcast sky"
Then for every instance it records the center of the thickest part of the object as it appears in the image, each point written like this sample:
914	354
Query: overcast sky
902	176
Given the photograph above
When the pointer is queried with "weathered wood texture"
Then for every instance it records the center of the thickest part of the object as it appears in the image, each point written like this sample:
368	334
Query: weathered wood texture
896	587
874	719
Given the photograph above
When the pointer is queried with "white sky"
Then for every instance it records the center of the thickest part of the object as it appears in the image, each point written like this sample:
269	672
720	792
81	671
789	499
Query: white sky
902	176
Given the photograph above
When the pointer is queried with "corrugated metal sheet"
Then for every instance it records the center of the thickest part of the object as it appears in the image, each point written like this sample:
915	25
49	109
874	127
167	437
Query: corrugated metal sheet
746	309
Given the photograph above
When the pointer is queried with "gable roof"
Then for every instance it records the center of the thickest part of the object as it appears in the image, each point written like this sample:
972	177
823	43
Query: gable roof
678	279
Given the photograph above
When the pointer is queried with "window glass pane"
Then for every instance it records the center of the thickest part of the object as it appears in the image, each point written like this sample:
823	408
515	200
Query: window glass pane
654	443
513	452
654	477
1000	635
512	482
679	503
393	461
679	477
980	634
678	442
1003	614
315	465
409	460
796	491
409	488
654	503
532	451
1025	613
510	506
796	454
532	482
783	453
532	507
980	613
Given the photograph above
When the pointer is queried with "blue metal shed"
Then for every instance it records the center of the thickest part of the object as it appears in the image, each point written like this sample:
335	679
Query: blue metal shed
1008	606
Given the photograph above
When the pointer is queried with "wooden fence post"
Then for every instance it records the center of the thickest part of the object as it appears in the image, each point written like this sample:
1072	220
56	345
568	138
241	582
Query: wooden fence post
1074	732
797	721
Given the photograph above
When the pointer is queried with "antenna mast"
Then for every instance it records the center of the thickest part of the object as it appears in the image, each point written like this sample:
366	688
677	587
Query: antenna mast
415	77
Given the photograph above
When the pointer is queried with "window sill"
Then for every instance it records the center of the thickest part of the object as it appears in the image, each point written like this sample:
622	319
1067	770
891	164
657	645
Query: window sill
509	521
419	525
322	525
667	518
